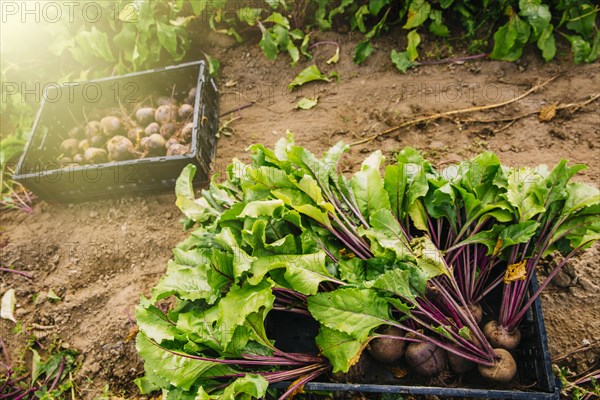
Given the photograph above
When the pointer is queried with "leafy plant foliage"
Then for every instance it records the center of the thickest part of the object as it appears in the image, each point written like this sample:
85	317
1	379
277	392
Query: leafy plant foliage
289	233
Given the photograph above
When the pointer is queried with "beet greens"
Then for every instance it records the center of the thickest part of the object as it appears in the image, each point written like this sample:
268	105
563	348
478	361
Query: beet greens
400	257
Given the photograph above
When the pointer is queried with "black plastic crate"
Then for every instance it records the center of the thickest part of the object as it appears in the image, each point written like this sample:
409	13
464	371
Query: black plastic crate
295	333
65	106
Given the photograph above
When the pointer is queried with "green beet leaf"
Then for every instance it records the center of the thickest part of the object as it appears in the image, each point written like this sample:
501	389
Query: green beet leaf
353	311
367	186
251	386
309	74
155	324
341	349
238	303
178	370
189	283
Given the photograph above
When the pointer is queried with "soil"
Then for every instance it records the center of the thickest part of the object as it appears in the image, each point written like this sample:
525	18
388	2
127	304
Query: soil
100	257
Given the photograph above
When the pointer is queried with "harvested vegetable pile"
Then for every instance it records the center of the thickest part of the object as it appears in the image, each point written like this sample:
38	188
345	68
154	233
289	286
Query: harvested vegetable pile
393	269
143	131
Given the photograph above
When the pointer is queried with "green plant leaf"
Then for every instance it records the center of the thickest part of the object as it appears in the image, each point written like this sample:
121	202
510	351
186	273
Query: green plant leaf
362	51
375	6
301	202
430	259
521	192
195	209
386	237
401	60
336	57
413	42
268	44
353	311
418	12
437	26
198	6
580	196
309	74
510	39
155	324
177	370
95	43
367	185
251	386
262	208
306	103
582	18
537	14
396	281
517	233
249	15
595	52
10	148
341	349
358	18
580	48
303	272
187	282
238	303
213	65
304	47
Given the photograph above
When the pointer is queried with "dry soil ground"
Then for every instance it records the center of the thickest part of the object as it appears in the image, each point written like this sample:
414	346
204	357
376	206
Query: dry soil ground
99	257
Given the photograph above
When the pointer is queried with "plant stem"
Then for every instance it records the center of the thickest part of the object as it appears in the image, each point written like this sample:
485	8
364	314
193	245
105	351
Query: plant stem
14	271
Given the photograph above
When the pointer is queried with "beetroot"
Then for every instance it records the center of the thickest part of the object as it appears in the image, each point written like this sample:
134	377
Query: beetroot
165	113
177	149
191	96
186	132
136	134
92	128
154	145
69	147
387	349
499	336
97	141
111	126
503	370
185	112
120	148
152	129
83	145
356	372
167	130
95	155
171	142
458	364
145	116
425	358
476	311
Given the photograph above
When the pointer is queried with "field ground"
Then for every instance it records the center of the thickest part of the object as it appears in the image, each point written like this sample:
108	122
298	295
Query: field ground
99	257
